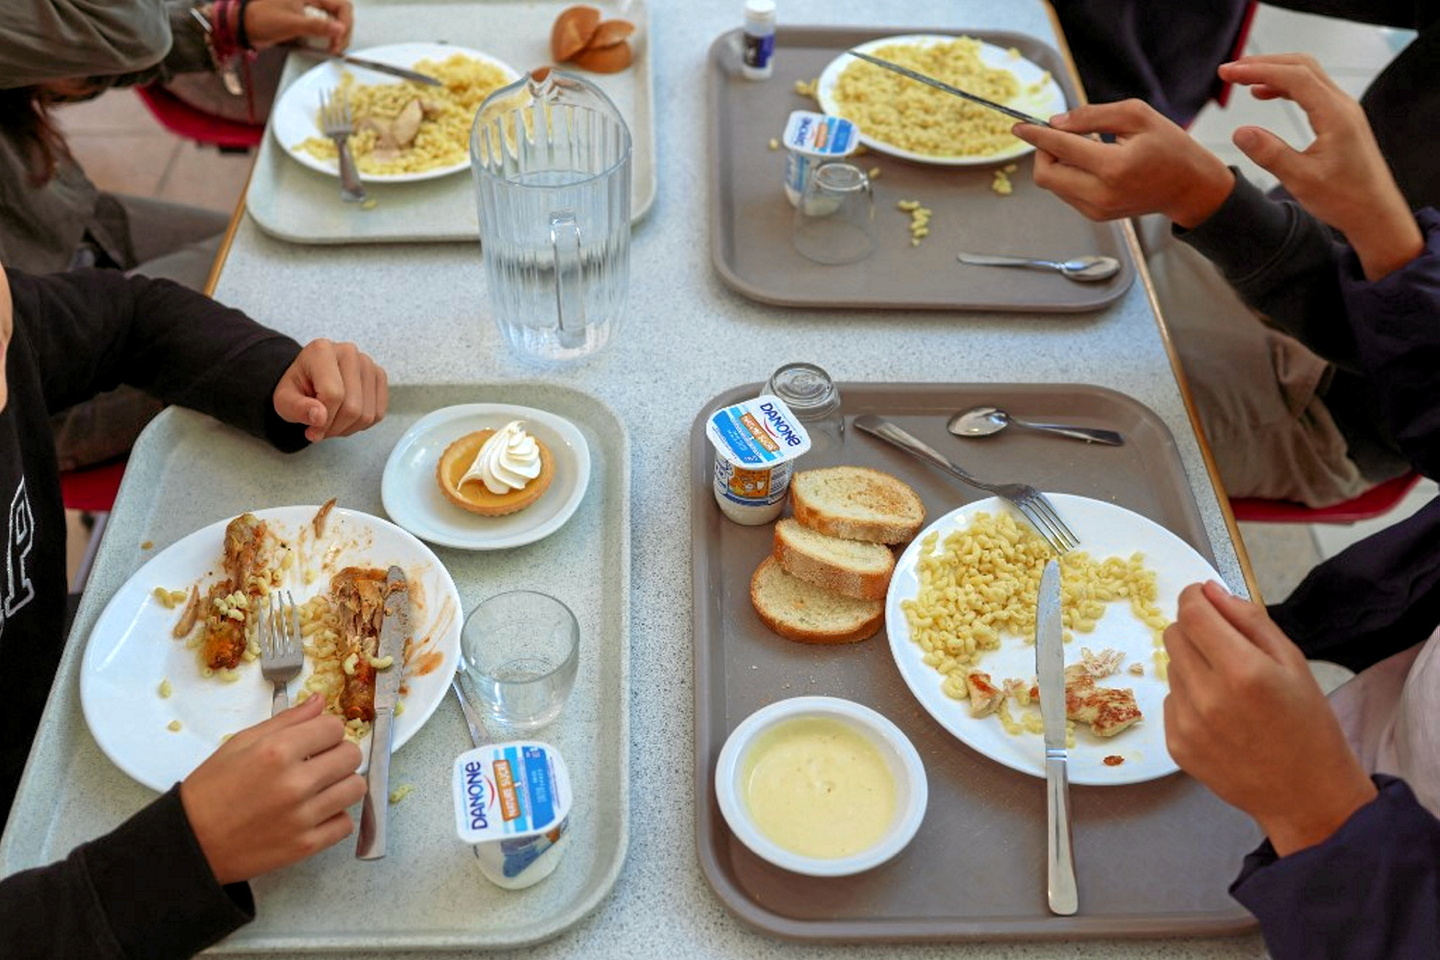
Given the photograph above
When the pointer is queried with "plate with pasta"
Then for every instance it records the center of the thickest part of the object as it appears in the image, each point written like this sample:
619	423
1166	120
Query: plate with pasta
171	668
960	614
404	131
906	118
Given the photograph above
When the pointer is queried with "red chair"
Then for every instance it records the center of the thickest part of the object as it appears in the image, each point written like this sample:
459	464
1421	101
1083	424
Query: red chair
1378	500
183	120
91	491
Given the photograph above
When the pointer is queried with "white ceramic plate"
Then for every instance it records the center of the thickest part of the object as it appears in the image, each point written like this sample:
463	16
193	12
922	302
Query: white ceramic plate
294	118
1047	101
414	500
130	651
1104	530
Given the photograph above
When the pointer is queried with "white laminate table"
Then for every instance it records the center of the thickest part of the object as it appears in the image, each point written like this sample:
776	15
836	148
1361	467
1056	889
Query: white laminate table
421	311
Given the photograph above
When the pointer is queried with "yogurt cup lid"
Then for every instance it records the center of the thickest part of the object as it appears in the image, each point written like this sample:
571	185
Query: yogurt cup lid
757	434
510	791
820	135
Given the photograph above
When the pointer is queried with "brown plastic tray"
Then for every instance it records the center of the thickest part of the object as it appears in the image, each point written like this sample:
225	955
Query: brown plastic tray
1153	859
750	219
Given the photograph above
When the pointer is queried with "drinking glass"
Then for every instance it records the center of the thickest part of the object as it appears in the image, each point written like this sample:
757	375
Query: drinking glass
521	651
551	158
835	219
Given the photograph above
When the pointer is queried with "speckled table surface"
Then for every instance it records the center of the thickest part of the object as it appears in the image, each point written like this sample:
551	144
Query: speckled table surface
421	311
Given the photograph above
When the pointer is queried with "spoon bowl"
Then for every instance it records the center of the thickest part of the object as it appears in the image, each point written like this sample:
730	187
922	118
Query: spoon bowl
987	421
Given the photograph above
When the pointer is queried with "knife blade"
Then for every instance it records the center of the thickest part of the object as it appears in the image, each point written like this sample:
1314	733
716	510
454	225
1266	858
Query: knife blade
378	67
956	91
394	630
1050	670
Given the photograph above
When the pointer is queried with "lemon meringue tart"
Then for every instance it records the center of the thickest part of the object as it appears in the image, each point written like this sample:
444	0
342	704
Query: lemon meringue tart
495	472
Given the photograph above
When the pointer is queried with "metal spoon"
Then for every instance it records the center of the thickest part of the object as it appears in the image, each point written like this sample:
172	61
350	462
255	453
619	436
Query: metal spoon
1085	269
984	421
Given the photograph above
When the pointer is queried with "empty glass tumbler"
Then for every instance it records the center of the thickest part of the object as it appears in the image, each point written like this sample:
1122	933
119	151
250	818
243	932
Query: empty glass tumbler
835	219
551	159
521	651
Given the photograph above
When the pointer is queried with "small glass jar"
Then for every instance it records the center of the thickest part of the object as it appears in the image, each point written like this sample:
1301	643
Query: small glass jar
759	38
812	397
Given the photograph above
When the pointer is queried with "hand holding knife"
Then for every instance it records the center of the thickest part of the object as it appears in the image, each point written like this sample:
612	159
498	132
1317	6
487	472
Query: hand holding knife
1050	669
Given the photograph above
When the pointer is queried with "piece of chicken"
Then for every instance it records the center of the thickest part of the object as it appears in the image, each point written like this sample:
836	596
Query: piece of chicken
1108	710
250	554
357	594
985	697
225	641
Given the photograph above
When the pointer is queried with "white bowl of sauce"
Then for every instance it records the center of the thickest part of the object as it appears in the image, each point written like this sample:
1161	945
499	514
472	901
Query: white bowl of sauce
821	786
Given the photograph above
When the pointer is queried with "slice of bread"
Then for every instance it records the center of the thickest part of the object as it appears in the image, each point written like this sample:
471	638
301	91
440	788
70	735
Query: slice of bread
854	568
857	503
807	613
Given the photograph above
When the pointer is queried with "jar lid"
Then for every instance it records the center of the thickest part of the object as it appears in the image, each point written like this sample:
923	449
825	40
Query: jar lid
760	8
804	387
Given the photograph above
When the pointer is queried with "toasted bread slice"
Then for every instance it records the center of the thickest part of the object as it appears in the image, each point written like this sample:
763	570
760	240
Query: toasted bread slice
857	503
573	31
854	568
806	613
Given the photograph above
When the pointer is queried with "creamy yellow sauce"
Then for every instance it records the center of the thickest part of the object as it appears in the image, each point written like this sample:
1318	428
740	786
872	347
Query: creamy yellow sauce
817	787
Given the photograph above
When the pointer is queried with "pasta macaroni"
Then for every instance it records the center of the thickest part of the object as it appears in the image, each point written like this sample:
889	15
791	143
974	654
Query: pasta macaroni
443	137
921	119
982	581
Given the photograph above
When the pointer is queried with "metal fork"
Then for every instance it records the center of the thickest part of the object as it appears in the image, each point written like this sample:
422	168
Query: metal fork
1029	501
281	651
337	124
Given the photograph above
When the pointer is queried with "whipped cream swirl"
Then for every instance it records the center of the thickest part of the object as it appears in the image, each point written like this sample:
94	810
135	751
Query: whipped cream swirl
507	461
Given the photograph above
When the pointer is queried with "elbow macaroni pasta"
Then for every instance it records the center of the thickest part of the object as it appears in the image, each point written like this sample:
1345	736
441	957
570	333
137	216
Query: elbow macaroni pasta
899	111
982	582
442	141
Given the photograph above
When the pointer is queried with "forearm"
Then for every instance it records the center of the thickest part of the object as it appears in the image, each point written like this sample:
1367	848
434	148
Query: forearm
143	890
96	329
1282	263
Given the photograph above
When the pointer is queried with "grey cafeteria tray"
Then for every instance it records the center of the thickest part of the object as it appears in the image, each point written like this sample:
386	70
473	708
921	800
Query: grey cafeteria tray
299	205
187	471
750	219
1152	859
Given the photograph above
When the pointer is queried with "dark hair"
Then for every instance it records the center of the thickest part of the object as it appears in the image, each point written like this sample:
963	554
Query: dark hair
25	114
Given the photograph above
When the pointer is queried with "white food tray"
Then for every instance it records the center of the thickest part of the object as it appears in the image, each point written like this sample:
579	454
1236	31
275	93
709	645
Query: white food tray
300	205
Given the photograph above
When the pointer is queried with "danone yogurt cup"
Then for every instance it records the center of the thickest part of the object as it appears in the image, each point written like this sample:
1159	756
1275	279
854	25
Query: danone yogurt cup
811	139
512	802
756	443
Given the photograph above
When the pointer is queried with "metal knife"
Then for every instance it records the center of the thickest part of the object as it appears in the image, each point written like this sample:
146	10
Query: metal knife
956	91
1050	668
377	66
374	814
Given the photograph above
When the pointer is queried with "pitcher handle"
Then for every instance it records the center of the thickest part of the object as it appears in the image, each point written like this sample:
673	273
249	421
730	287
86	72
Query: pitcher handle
569	283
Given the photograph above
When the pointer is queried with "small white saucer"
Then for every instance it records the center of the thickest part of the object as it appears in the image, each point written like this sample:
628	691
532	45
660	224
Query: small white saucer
413	499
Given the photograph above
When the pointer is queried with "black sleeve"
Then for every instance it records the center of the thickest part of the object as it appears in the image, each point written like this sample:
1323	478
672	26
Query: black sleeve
143	891
1396	326
96	329
1382	595
1283	263
1371	891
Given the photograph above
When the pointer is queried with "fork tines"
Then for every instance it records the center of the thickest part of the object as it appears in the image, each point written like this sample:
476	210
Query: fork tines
1041	513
